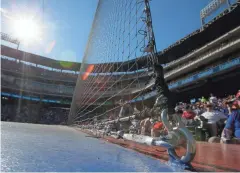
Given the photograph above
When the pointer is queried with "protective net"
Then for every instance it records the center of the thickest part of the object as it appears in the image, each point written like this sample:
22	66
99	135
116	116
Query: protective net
116	62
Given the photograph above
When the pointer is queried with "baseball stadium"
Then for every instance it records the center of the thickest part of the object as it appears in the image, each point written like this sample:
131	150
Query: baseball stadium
181	100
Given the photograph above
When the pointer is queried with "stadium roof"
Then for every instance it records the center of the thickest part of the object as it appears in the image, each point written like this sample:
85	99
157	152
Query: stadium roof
217	27
220	25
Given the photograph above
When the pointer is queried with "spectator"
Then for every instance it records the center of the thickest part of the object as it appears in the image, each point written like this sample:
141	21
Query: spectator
188	113
222	107
203	100
157	129
211	115
198	109
213	100
213	118
238	94
232	127
145	126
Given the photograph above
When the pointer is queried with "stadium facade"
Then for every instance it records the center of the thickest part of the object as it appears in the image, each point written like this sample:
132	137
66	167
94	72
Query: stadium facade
206	61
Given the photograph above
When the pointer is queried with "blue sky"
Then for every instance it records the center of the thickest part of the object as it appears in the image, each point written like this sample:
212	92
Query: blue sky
67	23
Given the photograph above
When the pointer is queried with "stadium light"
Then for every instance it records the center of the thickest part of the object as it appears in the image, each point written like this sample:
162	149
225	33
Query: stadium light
210	8
10	39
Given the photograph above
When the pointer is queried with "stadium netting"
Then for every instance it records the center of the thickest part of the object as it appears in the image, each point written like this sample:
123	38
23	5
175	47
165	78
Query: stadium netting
121	36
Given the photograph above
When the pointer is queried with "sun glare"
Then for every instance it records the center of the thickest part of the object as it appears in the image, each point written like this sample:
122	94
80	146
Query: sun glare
27	29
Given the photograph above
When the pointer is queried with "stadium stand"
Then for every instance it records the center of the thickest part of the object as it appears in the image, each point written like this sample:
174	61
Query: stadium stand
203	58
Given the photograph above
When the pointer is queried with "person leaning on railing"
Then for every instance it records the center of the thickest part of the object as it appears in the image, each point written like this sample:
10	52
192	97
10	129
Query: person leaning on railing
231	131
158	129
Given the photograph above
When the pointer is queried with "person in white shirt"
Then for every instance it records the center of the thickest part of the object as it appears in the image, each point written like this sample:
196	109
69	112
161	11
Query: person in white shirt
213	118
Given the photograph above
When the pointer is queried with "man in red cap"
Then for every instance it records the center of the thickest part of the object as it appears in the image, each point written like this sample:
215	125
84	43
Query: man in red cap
157	129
